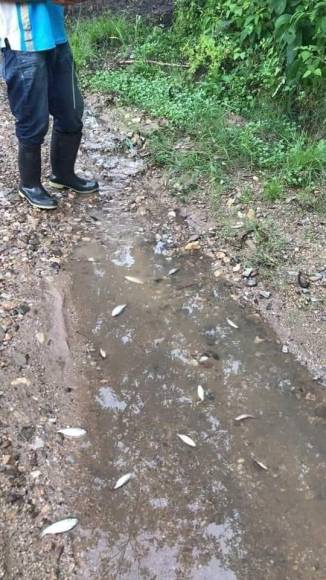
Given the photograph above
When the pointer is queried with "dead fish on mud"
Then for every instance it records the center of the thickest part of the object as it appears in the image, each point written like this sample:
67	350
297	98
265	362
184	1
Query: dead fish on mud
244	417
173	272
201	393
118	310
231	323
123	480
134	280
187	440
60	527
259	464
73	432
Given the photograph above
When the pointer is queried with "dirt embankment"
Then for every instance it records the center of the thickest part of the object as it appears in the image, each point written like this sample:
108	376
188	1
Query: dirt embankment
155	10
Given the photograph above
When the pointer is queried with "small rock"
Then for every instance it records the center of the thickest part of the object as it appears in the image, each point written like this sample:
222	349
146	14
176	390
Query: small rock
23	309
40	337
303	280
251	282
247	272
7	459
21	381
264	294
220	255
38	443
285	349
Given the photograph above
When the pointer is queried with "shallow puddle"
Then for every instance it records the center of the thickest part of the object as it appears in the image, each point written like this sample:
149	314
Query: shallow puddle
248	501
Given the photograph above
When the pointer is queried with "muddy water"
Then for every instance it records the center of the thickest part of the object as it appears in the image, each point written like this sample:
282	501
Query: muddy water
209	512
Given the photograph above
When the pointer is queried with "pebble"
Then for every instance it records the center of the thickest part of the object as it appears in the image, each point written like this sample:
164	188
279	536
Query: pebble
265	294
252	282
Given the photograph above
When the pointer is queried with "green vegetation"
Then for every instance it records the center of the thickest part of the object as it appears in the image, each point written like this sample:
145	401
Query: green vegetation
234	80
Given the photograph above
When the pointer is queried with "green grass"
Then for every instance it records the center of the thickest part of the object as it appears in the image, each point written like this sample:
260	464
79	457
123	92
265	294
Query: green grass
268	142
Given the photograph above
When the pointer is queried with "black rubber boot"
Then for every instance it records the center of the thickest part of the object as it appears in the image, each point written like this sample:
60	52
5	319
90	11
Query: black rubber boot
64	149
29	161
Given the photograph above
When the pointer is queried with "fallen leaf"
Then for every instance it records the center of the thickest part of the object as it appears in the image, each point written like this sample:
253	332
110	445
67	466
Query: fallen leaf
244	417
251	214
201	393
134	280
260	464
231	323
192	246
60	527
187	440
118	310
72	432
102	353
123	480
258	340
21	381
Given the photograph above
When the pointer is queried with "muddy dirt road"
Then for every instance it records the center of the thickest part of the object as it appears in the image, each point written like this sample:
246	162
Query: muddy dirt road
204	512
247	501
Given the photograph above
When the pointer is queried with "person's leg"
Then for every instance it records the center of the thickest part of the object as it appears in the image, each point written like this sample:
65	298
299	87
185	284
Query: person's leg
66	106
26	76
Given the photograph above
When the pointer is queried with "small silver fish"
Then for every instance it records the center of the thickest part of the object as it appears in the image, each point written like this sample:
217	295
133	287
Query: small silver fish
244	417
118	310
74	432
187	440
123	480
201	393
60	527
134	280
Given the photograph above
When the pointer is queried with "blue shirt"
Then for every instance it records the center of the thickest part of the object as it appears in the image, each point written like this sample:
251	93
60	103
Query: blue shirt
32	27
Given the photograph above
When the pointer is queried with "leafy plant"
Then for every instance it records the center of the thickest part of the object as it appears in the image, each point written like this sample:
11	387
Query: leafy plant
280	44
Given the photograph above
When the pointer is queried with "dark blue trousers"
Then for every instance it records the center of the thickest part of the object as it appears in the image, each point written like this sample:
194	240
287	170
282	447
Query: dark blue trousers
42	84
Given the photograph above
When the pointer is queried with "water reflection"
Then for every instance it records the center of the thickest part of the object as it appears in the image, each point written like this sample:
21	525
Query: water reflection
107	399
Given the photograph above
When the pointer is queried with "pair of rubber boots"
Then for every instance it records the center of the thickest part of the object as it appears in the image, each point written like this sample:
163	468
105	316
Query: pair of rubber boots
64	149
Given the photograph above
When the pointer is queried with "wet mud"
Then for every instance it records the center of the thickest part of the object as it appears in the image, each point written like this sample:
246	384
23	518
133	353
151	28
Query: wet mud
247	501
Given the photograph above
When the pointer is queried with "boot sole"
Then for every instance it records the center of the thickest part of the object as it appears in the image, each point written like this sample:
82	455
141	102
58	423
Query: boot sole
61	186
35	205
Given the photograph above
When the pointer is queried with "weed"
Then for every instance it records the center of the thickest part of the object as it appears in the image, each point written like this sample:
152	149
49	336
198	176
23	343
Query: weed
247	195
272	190
268	243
